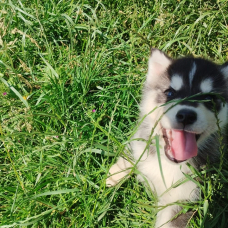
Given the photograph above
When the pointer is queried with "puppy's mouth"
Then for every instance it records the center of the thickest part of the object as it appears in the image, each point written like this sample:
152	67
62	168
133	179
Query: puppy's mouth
180	145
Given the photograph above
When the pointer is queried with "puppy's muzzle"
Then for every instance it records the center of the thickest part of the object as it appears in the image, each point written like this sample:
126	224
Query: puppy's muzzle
186	116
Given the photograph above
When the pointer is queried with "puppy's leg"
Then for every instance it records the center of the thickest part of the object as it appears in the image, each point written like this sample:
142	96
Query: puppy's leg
182	220
118	171
164	216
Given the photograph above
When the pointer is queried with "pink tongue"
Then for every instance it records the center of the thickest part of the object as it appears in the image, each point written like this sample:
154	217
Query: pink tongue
183	145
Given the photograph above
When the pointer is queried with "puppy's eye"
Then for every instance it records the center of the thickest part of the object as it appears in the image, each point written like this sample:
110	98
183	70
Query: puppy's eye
208	98
170	93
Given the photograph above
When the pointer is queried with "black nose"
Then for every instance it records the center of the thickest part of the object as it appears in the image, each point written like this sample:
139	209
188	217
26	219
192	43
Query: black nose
186	116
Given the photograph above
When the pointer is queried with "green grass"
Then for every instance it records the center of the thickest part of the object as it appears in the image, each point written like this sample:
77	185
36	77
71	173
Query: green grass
59	60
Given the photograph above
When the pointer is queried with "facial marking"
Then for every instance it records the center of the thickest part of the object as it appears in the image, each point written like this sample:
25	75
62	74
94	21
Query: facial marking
176	82
224	71
192	73
206	85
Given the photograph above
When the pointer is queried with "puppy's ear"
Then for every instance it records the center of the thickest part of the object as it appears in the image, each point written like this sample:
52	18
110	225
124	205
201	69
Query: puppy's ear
158	63
224	69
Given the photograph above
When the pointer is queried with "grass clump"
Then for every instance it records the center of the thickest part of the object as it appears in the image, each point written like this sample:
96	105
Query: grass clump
59	61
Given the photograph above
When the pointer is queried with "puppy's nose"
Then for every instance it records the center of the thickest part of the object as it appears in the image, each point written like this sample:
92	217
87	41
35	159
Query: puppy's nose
186	116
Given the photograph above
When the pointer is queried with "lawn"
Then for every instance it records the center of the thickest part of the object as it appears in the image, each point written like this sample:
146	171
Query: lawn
71	74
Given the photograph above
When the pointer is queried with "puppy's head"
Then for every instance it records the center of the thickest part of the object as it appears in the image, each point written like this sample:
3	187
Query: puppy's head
185	124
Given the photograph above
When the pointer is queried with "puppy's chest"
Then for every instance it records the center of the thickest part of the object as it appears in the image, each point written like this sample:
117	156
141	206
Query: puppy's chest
162	174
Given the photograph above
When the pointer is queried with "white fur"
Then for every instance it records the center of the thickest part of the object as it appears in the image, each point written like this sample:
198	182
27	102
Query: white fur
121	169
149	168
206	85
176	82
224	71
192	73
158	63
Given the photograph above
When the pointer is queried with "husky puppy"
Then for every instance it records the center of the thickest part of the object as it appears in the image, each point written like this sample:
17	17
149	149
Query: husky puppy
185	130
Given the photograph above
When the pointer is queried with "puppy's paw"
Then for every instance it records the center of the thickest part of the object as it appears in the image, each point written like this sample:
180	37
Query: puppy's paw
165	218
118	171
116	174
110	182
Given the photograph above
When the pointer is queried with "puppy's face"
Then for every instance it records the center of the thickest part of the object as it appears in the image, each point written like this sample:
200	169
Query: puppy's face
185	124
